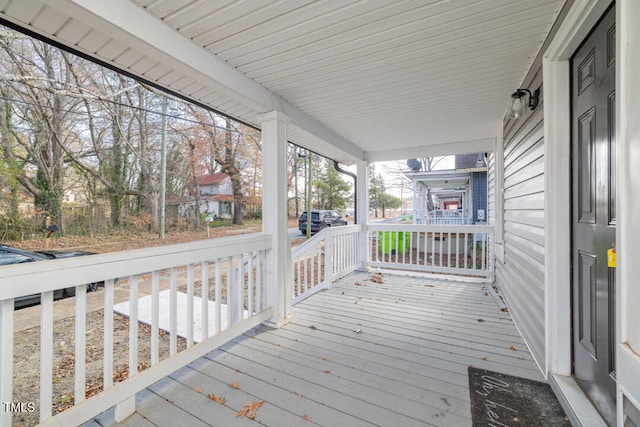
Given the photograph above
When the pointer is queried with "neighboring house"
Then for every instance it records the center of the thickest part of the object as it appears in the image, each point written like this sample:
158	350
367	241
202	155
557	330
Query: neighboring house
458	196
216	197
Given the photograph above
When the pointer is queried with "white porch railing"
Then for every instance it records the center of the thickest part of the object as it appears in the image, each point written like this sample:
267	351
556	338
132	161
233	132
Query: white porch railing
445	217
233	302
452	249
310	270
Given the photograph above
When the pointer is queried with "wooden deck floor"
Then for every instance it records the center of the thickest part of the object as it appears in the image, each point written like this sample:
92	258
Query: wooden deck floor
361	354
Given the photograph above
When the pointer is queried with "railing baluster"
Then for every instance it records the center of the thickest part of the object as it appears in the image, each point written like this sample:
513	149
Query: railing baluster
190	303
205	299
6	359
240	293
336	261
250	277
173	312
155	317
306	272
81	344
294	277
133	325
449	249
328	264
218	295
107	369
337	258
229	283
320	271
441	234
46	354
312	261
259	289
299	267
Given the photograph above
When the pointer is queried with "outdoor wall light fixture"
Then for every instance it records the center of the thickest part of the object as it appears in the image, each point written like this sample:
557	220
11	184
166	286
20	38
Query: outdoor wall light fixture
517	105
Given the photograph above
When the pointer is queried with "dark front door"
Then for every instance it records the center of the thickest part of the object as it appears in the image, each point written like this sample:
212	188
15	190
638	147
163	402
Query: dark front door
594	215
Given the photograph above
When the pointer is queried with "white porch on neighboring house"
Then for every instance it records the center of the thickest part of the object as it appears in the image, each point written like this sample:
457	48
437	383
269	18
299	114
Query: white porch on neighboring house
329	77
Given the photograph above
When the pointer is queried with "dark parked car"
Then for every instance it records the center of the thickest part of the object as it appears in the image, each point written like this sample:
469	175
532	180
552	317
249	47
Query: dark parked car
10	255
319	220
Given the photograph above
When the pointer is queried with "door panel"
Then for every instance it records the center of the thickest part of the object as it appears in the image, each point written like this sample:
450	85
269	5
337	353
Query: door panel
593	215
587	168
587	302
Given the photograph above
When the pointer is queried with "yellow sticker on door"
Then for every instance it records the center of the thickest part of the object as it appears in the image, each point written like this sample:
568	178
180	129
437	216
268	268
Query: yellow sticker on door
611	258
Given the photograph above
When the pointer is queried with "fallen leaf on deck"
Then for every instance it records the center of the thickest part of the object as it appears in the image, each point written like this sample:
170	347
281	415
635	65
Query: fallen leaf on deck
305	417
357	331
326	371
249	409
324	358
483	358
297	394
221	400
197	390
430	286
486	294
376	279
313	328
234	384
276	344
512	348
504	309
480	320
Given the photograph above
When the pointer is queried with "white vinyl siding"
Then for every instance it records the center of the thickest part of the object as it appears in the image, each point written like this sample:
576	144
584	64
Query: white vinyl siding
521	277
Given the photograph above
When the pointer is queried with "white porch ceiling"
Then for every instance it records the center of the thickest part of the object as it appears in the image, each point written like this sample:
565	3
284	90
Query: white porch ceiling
376	79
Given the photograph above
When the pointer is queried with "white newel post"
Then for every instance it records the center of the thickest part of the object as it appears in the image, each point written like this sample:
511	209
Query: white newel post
362	184
274	214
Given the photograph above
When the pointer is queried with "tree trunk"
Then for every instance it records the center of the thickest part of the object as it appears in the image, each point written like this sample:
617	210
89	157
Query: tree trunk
196	187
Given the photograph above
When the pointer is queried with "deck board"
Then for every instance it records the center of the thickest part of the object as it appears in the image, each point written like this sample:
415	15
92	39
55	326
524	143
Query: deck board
359	354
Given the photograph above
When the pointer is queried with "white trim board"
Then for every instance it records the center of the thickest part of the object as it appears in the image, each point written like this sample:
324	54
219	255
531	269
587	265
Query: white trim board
582	17
144	314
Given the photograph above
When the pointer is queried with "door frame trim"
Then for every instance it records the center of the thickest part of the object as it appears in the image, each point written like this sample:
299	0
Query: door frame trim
580	20
576	26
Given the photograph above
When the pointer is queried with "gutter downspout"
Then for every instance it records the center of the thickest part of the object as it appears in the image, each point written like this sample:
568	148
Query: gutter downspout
337	167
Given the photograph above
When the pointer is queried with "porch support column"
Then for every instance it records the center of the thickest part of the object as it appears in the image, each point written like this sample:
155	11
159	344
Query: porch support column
274	214
417	203
362	184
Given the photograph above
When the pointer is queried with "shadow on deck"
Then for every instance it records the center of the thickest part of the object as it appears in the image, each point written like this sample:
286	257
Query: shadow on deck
362	353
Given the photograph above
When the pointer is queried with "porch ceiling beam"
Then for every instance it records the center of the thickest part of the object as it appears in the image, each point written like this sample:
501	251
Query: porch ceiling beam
130	24
441	149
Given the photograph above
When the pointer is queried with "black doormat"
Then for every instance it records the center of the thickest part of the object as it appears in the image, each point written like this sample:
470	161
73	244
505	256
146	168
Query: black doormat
503	400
